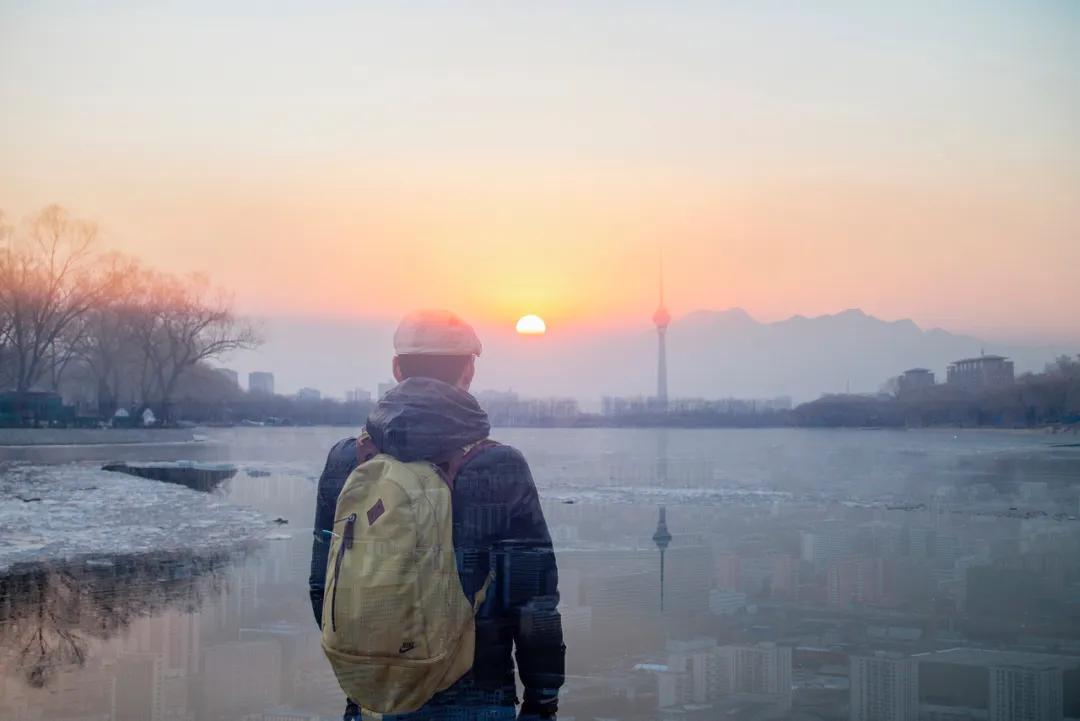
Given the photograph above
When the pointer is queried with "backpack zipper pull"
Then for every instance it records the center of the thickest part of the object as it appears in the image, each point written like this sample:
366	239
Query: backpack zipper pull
350	526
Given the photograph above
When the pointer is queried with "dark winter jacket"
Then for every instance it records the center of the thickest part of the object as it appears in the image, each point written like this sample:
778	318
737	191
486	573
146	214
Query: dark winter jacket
497	523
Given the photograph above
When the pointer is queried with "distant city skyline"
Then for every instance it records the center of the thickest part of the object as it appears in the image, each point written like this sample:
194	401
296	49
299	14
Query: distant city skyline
716	354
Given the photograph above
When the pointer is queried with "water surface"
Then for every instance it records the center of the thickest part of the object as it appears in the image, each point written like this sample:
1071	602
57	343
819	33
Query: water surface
797	558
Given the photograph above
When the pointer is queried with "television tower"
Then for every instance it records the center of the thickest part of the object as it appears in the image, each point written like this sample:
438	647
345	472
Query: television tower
662	538
662	319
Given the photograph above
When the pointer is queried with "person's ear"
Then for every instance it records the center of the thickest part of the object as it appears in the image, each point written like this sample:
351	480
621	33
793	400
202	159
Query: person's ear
467	375
398	375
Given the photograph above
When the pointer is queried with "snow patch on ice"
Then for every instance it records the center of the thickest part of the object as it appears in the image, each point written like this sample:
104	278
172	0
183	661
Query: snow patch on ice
54	513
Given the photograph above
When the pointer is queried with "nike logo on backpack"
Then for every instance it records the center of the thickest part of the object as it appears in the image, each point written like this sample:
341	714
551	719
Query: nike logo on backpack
406	646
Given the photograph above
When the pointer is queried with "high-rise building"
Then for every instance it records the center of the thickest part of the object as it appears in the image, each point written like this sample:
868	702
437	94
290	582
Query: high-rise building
830	541
761	670
689	672
687	579
1026	694
261	382
859	580
728	568
308	394
784	581
985	371
914	380
723	602
661	318
138	694
998	685
884	688
358	395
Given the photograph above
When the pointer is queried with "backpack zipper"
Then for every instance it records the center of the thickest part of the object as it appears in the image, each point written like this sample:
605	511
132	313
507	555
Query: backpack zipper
346	542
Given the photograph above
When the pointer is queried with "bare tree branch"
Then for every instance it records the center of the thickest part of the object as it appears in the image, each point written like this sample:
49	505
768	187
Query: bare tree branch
181	322
50	281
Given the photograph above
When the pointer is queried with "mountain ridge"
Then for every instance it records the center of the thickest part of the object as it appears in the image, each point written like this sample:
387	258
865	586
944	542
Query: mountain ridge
805	356
711	353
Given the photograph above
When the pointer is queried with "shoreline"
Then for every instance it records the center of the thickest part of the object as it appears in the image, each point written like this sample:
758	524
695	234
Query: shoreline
32	437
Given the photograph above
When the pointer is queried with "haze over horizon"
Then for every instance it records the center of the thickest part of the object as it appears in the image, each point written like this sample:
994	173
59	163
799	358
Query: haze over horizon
336	166
711	354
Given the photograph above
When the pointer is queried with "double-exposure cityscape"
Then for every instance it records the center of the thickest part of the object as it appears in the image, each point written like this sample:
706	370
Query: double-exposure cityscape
558	361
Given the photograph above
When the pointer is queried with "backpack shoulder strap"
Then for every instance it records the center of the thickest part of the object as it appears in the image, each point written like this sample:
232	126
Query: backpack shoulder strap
365	447
366	450
452	466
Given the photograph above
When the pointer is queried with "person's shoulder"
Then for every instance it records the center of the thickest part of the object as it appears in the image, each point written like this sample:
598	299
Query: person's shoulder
342	455
345	445
503	471
499	461
503	453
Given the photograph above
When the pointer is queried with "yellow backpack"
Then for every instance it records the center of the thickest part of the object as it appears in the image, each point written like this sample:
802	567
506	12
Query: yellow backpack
397	627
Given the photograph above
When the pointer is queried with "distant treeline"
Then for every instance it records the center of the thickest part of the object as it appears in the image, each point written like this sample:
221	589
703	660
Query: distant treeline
209	397
704	418
1034	399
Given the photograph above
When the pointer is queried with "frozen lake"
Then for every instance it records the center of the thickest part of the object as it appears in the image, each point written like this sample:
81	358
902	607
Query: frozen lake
805	551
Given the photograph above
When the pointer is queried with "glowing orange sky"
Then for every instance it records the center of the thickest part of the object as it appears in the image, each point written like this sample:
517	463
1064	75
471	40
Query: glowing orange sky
785	163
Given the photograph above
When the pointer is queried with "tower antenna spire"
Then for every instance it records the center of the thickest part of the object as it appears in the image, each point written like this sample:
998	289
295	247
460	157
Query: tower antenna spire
661	277
661	319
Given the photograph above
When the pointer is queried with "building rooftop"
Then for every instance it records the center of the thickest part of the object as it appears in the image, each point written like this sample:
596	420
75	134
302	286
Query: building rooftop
981	358
989	657
917	370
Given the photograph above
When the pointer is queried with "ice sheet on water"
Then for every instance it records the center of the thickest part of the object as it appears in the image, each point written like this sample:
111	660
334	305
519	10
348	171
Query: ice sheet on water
51	513
738	496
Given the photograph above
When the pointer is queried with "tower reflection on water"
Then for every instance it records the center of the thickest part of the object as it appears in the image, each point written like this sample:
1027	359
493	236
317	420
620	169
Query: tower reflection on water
662	539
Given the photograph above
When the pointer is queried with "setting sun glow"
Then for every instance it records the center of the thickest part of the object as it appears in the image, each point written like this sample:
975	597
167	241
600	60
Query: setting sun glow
531	325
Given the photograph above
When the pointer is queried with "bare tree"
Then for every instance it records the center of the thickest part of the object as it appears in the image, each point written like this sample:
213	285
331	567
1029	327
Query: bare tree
107	343
52	614
179	323
1064	367
891	387
49	282
7	376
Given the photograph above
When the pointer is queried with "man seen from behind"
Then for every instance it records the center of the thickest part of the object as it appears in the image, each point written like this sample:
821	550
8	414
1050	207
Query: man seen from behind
501	544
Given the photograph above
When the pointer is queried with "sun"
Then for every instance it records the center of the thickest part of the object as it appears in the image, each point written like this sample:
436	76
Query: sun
531	325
